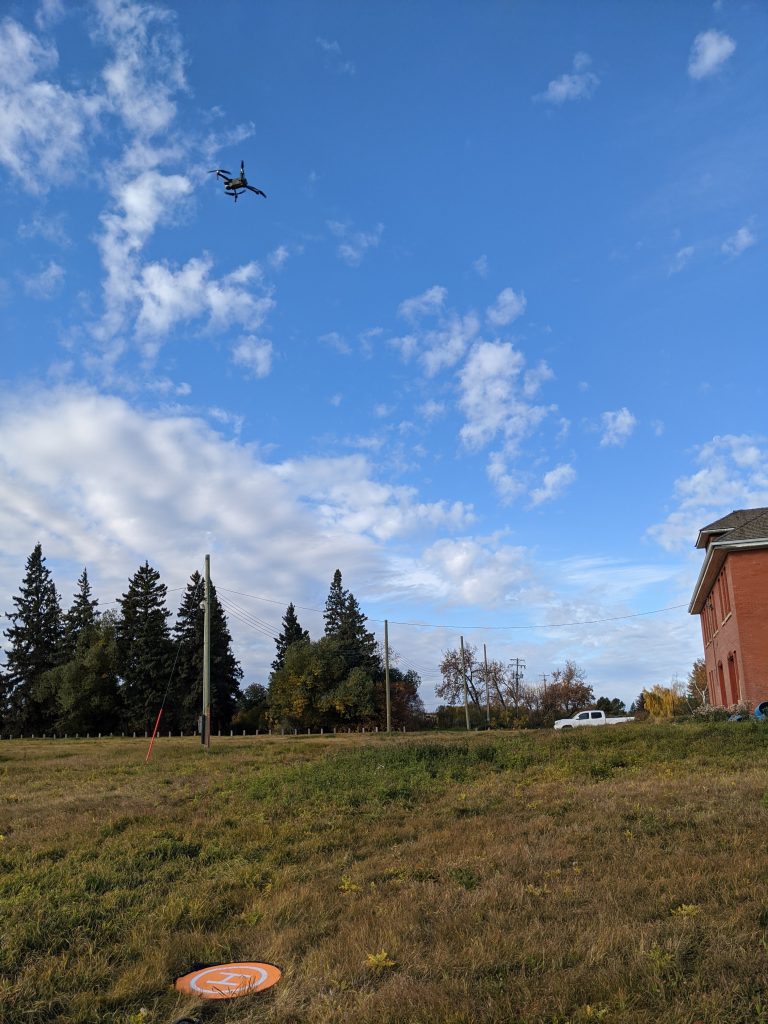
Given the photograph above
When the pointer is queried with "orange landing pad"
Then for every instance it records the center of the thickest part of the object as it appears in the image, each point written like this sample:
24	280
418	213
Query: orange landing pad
227	981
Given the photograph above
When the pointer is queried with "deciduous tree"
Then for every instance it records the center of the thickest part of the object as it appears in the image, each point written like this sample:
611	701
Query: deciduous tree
451	689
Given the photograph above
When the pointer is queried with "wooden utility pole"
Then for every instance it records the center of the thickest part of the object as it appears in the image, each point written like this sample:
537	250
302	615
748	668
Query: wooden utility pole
487	688
464	677
386	675
206	734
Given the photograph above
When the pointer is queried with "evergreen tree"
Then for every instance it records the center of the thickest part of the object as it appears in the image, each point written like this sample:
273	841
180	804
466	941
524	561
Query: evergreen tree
292	633
84	690
80	616
186	697
144	649
345	624
334	606
35	637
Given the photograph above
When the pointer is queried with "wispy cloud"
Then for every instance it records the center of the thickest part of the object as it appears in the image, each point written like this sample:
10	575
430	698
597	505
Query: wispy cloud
429	302
480	266
52	228
710	50
333	57
336	341
681	259
740	240
578	84
432	410
353	245
617	427
45	284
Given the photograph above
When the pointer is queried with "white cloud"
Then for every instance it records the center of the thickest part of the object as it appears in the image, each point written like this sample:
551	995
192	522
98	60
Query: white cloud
739	241
681	259
100	483
508	307
45	284
577	85
617	427
533	379
49	12
446	345
148	64
43	127
254	354
480	266
508	484
710	50
491	398
353	245
469	570
732	474
554	483
428	303
168	297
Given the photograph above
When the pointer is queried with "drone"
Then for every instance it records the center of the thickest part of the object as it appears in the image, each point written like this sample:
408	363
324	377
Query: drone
236	186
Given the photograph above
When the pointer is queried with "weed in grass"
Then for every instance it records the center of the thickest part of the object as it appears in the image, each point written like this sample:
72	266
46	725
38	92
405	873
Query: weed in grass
686	910
347	885
465	877
381	961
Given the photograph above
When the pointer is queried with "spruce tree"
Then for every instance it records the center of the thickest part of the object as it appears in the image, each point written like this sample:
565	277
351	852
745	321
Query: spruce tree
292	633
34	648
84	690
81	615
144	649
334	605
186	700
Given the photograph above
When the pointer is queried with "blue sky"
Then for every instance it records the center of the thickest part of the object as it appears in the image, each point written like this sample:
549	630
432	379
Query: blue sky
493	345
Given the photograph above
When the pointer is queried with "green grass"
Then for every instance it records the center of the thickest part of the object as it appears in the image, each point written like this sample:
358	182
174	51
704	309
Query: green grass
603	875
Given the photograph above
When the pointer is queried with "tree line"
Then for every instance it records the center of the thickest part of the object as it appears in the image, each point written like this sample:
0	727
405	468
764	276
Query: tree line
85	671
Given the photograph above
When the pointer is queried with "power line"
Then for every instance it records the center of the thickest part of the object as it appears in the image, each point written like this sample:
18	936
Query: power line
450	625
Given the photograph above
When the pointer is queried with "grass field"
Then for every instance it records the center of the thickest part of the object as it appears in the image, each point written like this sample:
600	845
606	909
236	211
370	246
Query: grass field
605	875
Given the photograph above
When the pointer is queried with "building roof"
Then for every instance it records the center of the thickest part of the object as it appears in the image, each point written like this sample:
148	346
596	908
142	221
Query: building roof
741	524
741	529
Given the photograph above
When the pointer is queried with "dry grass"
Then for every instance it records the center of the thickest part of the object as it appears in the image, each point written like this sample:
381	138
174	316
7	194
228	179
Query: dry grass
609	875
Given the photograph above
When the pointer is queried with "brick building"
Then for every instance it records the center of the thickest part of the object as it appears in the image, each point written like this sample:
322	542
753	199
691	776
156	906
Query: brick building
731	599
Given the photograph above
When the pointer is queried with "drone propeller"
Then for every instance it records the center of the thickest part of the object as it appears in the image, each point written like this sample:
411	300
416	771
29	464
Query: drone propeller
220	171
256	190
242	168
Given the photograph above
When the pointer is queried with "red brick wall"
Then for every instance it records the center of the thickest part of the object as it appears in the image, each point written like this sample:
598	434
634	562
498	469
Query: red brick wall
743	634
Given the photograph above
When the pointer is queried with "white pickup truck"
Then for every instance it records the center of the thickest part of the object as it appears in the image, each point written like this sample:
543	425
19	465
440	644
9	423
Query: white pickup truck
589	718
